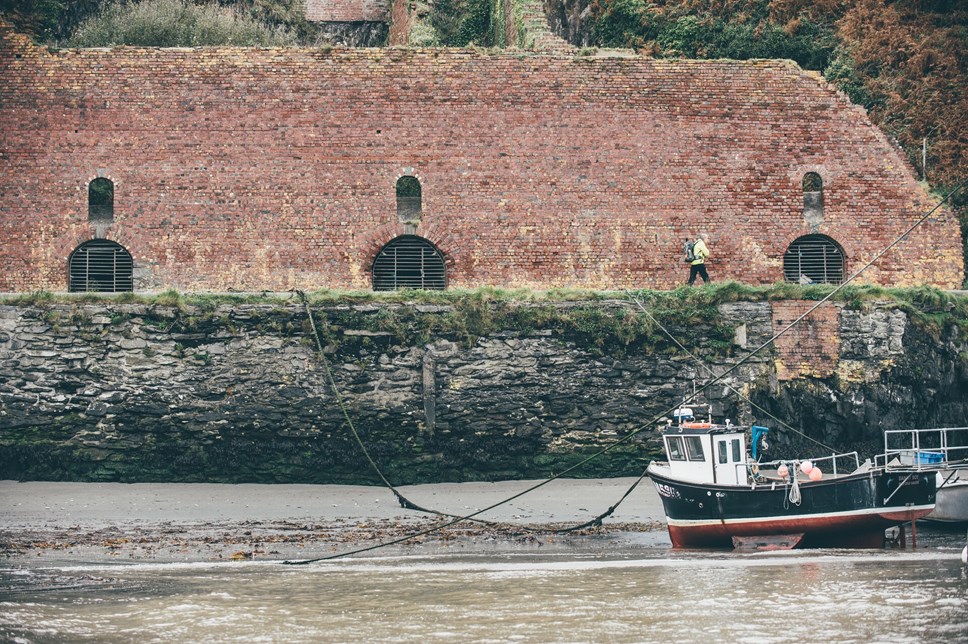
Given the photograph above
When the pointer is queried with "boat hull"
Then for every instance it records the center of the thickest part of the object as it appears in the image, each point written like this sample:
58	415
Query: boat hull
952	503
849	511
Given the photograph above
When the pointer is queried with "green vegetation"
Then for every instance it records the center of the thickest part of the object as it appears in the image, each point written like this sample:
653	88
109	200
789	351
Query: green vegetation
663	31
606	323
710	295
40	18
460	23
172	23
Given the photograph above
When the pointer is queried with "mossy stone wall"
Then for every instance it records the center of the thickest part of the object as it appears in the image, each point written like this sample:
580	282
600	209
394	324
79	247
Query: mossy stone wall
457	391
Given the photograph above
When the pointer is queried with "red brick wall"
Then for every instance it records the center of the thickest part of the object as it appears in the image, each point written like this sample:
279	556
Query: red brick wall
274	169
812	347
347	10
402	14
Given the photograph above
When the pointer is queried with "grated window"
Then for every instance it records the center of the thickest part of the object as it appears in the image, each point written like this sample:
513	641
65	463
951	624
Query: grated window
813	198
812	182
814	259
409	261
100	201
100	265
409	199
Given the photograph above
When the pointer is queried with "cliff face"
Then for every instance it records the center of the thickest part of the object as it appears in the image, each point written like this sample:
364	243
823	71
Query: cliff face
142	392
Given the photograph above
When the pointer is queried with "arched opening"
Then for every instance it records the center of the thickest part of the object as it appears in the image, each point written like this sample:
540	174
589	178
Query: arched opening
814	259
813	198
409	261
409	199
100	265
100	201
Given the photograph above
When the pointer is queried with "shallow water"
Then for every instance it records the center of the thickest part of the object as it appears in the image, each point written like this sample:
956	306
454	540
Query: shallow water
637	595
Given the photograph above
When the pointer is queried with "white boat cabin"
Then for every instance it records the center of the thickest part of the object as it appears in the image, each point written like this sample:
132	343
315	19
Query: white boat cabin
704	452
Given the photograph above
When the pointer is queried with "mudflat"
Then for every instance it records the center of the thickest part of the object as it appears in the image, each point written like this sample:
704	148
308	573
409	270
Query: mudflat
201	522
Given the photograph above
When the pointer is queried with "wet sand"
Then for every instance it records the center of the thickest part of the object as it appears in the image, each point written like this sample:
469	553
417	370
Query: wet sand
165	522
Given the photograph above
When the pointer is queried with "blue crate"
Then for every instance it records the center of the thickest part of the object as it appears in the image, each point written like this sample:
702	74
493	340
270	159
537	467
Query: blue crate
930	458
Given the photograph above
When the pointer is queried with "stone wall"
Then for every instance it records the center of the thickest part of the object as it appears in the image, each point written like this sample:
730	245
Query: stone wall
273	169
237	392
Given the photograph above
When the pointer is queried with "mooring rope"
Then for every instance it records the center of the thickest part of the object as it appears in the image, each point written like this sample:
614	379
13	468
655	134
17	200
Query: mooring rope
401	499
404	501
597	520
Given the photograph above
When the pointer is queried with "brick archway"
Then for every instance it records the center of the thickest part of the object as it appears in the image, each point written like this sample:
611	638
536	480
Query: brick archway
409	261
814	259
100	265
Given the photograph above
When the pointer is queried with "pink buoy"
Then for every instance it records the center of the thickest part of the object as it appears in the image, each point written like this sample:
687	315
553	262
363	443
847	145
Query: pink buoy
782	471
815	474
806	467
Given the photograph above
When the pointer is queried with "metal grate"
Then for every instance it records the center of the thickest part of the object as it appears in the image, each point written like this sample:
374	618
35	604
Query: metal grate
814	259
409	261
100	265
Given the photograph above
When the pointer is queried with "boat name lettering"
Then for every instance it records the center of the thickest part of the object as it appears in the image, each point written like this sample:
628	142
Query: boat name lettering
667	491
914	480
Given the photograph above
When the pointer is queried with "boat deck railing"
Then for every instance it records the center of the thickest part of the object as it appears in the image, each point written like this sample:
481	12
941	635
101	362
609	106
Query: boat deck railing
925	449
835	464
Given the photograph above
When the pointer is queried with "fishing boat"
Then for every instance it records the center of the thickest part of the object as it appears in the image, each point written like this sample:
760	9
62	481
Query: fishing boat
951	505
716	494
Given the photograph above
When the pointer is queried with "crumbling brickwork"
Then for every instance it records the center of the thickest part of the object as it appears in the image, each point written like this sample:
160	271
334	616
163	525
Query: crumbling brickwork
402	15
271	169
810	348
347	10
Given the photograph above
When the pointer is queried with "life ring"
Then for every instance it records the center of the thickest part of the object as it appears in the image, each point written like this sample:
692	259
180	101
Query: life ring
697	425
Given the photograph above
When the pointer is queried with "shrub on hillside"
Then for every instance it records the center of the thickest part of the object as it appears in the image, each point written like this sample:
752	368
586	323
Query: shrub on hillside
176	23
674	31
459	23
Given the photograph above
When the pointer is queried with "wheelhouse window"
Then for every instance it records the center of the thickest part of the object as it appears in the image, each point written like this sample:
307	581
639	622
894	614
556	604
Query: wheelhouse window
722	452
736	450
814	259
675	448
100	201
409	199
409	261
100	265
694	448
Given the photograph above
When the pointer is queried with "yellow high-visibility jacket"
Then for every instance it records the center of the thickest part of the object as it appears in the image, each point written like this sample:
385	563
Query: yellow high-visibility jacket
700	251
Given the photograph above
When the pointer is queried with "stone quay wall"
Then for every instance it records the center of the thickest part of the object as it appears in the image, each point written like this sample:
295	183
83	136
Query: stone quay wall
238	392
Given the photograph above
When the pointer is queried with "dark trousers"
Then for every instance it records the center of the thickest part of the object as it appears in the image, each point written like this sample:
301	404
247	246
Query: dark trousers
700	270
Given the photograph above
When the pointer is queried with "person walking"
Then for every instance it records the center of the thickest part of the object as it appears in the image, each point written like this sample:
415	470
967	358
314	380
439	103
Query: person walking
698	265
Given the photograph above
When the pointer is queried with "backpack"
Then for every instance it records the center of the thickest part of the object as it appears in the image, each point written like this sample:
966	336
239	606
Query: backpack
690	256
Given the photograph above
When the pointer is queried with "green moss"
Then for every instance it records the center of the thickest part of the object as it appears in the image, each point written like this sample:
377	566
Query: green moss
463	316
